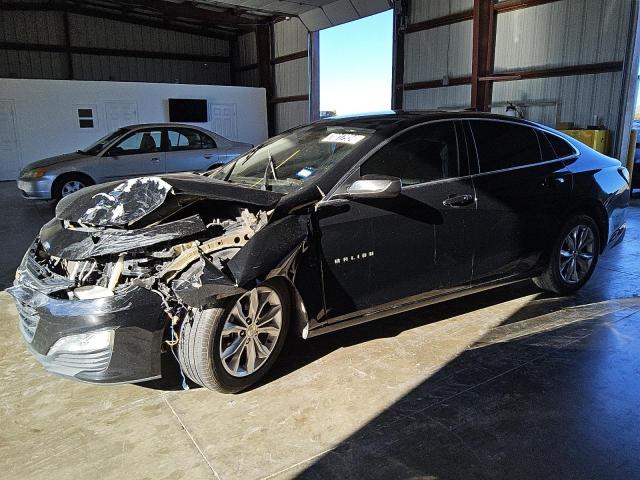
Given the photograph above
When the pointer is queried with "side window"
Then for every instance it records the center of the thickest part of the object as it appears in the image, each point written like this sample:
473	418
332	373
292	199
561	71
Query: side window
560	146
187	139
420	155
139	142
546	150
504	145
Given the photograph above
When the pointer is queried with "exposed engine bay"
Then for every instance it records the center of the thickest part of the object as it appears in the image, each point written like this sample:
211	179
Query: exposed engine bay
143	235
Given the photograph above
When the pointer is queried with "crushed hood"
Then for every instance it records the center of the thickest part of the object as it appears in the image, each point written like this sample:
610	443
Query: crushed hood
121	204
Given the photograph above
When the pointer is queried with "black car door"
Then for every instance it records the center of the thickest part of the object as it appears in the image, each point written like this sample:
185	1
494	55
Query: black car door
523	191
377	251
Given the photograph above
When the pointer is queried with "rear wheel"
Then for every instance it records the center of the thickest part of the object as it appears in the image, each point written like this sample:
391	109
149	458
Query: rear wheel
573	258
231	347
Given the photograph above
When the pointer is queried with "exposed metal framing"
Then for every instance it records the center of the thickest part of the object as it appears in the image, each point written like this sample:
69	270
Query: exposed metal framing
314	76
274	61
115	52
292	98
592	68
400	10
125	16
484	37
264	49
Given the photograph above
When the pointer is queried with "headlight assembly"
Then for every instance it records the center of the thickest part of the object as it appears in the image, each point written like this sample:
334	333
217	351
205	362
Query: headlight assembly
33	173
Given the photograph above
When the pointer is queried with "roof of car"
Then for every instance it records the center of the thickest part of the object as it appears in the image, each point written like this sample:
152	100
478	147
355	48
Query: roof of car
413	116
161	125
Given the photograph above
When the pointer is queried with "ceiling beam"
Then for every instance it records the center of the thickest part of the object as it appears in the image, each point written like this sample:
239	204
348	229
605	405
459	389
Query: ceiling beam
113	52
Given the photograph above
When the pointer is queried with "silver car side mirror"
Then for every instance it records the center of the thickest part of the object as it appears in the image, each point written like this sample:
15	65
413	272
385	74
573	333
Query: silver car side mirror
375	187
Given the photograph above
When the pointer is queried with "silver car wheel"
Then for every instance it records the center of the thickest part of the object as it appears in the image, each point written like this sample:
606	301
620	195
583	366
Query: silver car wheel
577	253
251	331
70	187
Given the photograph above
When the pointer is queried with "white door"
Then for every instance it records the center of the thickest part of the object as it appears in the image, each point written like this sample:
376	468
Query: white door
9	154
223	119
120	114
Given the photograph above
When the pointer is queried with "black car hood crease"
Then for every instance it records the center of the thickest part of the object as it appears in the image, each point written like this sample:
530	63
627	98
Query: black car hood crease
118	210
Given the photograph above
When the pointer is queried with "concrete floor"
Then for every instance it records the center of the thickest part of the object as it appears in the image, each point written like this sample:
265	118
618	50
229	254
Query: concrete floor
510	383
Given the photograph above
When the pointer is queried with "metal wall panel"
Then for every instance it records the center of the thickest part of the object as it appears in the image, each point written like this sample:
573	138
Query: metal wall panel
292	78
432	54
457	97
248	78
570	32
31	27
127	69
421	10
291	114
20	64
289	37
99	32
582	99
245	53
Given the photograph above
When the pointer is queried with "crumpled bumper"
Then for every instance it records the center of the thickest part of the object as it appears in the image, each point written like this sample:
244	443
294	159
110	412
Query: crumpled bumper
134	315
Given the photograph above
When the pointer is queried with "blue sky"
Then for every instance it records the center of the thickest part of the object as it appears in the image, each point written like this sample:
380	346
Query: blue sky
355	65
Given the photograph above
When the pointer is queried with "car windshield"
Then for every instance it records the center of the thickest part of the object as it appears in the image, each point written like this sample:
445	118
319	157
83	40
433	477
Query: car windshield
286	162
96	147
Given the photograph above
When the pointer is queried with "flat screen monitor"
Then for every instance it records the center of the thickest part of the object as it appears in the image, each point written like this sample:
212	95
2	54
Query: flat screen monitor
187	110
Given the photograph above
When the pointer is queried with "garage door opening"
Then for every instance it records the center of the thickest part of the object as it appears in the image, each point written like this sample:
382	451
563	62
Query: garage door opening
356	65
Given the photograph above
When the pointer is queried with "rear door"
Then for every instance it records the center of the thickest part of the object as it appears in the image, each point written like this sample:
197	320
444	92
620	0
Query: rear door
522	190
190	150
383	250
138	153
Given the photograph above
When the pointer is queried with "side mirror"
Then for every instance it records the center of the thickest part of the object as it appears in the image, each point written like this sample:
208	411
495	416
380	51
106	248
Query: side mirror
114	152
374	186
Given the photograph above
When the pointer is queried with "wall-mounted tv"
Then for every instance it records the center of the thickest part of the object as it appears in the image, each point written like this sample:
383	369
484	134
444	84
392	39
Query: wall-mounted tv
187	110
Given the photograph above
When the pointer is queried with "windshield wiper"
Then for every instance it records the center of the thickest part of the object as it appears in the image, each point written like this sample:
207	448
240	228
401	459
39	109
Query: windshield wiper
270	164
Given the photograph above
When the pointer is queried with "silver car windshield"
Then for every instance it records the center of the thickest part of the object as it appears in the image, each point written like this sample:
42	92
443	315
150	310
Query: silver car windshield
286	162
96	147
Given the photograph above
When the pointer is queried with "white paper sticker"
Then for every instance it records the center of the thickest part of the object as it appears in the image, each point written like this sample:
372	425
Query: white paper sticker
348	138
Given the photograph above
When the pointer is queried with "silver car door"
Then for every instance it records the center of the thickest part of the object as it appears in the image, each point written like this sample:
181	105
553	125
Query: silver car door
139	153
190	150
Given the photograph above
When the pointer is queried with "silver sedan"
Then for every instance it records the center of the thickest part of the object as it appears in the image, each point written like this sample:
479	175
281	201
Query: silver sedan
132	151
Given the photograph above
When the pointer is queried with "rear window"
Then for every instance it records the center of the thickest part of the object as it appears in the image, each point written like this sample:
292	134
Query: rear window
560	146
504	145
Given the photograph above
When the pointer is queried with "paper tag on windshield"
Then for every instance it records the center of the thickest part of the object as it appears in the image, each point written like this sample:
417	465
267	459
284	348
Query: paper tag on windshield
348	138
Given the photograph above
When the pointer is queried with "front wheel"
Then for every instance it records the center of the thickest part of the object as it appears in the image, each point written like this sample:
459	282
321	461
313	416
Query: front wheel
231	347
573	258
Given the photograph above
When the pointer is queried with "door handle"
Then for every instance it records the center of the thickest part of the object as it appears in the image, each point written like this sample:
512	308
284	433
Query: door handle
155	160
208	156
553	181
458	200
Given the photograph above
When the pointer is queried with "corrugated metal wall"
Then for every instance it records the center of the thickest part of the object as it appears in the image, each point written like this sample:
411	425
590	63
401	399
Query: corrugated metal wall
556	34
292	77
48	28
245	54
438	53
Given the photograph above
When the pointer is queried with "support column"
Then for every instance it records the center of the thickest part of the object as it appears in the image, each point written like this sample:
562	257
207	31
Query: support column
484	40
264	49
314	76
400	12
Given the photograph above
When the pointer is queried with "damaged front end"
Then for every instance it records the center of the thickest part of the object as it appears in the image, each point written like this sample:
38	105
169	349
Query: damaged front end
103	289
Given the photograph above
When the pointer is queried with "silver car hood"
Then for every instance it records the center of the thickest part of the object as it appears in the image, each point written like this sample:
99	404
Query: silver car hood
65	157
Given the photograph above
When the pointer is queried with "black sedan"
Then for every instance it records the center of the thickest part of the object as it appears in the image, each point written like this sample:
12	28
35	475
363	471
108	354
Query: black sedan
325	226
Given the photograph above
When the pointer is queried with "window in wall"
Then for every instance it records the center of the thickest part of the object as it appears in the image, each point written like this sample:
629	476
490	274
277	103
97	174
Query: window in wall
355	66
86	116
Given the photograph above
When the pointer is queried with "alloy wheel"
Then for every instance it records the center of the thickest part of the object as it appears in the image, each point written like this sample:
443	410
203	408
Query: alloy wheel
251	331
577	254
71	186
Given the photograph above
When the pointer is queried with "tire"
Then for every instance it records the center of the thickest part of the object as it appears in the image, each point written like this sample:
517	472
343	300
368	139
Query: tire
203	342
68	184
558	277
